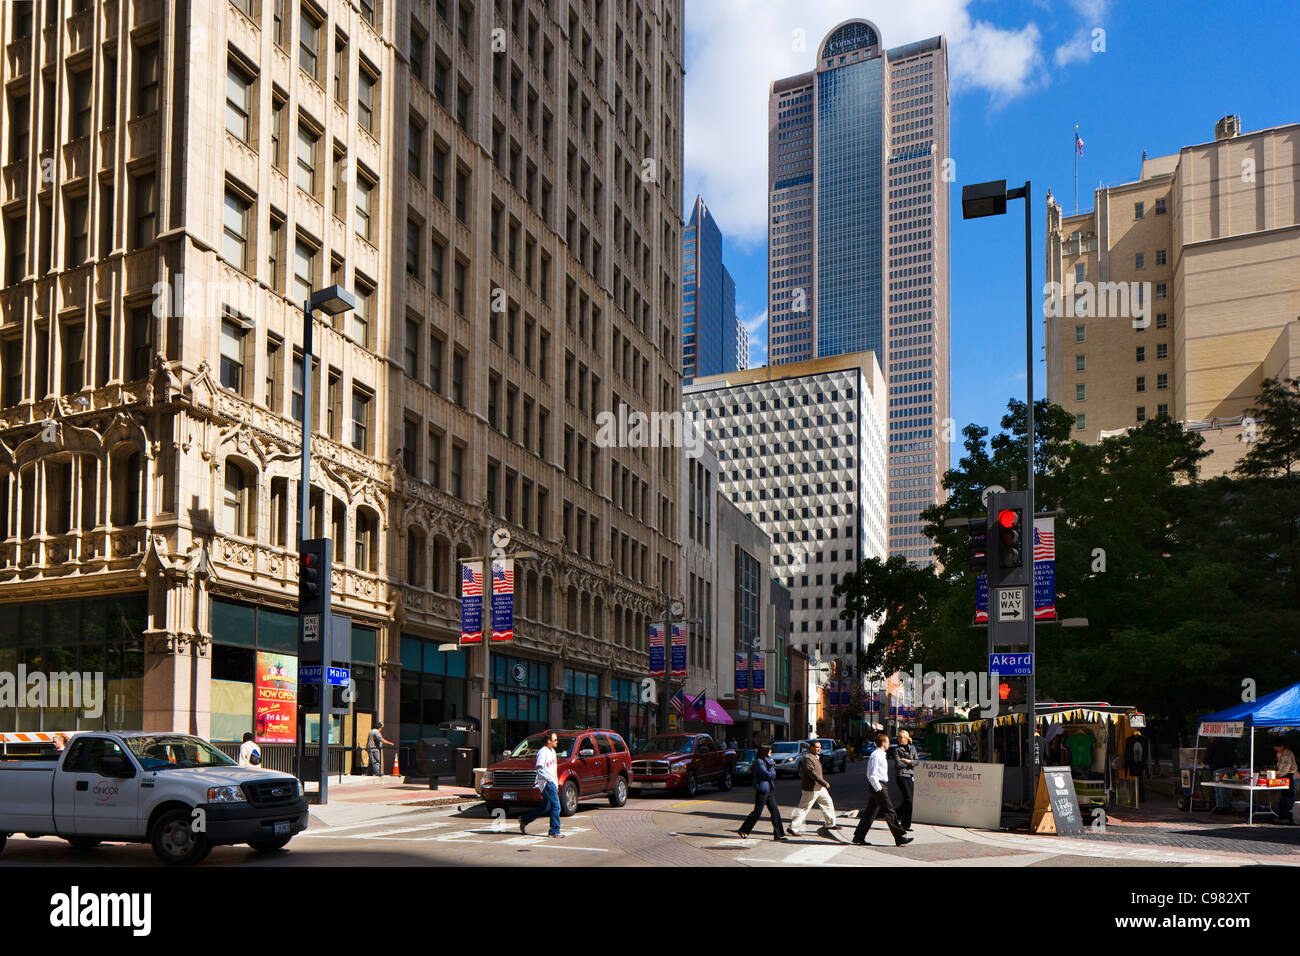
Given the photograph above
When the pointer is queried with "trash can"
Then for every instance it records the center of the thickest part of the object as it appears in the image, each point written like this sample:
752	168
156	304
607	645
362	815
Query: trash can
464	767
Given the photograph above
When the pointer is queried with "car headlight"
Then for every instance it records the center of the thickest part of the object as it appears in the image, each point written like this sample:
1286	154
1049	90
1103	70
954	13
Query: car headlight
487	778
225	795
678	767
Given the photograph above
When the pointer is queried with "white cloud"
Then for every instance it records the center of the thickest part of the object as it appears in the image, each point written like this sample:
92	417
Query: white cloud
1076	50
736	48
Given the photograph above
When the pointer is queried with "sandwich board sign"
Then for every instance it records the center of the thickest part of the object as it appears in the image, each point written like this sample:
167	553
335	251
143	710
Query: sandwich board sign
1056	808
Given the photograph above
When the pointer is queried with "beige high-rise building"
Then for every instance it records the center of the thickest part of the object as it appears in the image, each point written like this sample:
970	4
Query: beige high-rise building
858	219
499	182
1180	291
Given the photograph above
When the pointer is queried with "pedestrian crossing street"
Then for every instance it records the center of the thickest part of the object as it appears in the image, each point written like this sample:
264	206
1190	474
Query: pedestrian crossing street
437	828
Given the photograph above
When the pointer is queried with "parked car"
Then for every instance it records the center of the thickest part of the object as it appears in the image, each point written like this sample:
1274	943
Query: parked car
834	754
588	764
745	766
786	754
149	787
683	762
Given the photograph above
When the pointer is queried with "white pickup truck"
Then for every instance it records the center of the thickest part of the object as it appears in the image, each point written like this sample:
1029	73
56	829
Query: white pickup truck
174	791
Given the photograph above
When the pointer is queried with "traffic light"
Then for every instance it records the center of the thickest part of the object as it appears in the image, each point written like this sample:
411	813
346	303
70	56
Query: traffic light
1012	691
1008	531
313	576
979	559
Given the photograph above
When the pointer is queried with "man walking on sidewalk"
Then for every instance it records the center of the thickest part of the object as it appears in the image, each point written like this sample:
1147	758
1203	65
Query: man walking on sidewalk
374	749
881	805
815	790
550	784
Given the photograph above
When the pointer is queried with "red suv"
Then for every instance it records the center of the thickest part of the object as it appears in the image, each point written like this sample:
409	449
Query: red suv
588	763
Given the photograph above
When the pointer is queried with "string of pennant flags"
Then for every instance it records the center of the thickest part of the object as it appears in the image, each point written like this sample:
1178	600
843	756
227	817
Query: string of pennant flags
1060	717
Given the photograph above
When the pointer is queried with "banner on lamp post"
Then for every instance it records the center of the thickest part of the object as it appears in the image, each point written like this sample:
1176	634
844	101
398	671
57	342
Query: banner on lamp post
759	681
656	650
679	651
503	600
742	676
471	603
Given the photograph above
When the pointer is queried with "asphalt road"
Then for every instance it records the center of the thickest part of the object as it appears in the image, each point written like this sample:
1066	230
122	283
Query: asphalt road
664	830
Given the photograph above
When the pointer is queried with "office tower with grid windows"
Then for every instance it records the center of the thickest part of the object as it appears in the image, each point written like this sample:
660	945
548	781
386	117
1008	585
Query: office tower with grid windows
858	240
177	179
801	450
713	339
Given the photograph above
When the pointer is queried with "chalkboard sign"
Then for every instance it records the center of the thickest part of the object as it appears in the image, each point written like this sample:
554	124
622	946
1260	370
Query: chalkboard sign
1056	808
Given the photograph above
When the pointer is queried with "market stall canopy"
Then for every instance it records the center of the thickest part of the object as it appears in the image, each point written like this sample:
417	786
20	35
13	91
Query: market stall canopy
1278	709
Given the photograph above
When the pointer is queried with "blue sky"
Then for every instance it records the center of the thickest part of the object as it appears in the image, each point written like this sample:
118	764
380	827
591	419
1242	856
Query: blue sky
1023	74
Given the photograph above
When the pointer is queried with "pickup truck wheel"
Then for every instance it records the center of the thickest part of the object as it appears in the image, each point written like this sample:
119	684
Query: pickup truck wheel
175	842
83	843
725	783
271	844
692	784
569	799
618	796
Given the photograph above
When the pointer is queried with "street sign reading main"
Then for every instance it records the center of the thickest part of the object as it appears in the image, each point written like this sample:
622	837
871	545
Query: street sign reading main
310	674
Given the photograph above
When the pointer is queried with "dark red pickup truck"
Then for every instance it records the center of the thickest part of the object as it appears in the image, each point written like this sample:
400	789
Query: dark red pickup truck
682	762
588	763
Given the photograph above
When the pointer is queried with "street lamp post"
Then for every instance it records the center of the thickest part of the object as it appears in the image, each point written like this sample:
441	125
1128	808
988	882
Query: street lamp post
333	300
978	201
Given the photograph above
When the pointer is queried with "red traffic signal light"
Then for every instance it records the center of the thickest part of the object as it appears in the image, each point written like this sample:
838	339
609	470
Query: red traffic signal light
1009	553
1004	690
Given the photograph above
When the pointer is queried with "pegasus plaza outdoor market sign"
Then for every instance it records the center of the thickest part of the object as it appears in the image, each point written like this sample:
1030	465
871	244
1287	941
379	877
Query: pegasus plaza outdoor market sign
958	794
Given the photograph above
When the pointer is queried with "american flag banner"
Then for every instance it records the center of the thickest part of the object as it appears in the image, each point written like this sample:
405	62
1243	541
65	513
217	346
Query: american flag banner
656	650
742	676
1044	569
1044	576
471	603
679	651
503	599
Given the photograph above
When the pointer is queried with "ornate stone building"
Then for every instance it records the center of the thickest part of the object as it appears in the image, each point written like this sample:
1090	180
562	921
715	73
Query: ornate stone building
498	182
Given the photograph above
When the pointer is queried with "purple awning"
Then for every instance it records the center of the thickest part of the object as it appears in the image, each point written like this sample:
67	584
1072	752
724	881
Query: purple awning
714	714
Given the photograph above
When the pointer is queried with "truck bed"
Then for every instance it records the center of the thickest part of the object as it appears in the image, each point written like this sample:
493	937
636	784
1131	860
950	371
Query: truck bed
28	796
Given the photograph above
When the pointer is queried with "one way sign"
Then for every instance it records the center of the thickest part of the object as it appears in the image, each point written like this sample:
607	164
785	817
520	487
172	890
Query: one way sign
1011	604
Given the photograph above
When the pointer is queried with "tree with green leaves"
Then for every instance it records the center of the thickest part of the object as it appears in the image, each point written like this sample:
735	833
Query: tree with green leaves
1189	587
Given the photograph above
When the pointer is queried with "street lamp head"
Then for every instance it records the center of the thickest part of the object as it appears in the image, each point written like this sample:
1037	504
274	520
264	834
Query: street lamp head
332	300
984	199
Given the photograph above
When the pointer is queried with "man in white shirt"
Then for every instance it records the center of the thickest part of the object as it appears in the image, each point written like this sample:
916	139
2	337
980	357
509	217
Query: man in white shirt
246	751
880	805
550	786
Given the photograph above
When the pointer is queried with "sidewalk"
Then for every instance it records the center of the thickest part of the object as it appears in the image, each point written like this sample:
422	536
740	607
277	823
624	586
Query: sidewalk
362	798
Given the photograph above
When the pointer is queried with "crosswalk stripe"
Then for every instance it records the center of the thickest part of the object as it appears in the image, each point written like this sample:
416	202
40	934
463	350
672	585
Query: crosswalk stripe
813	855
372	834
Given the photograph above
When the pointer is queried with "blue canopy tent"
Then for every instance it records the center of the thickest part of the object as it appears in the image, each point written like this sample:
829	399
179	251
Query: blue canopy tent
1278	710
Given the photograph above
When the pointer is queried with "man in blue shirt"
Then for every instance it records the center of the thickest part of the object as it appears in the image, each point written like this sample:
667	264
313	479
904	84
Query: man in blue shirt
880	805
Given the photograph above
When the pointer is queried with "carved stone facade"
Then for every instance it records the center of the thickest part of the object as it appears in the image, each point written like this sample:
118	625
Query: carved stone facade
507	214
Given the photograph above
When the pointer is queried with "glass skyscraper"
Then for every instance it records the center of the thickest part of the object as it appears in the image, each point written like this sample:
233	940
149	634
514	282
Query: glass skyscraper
858	240
713	339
